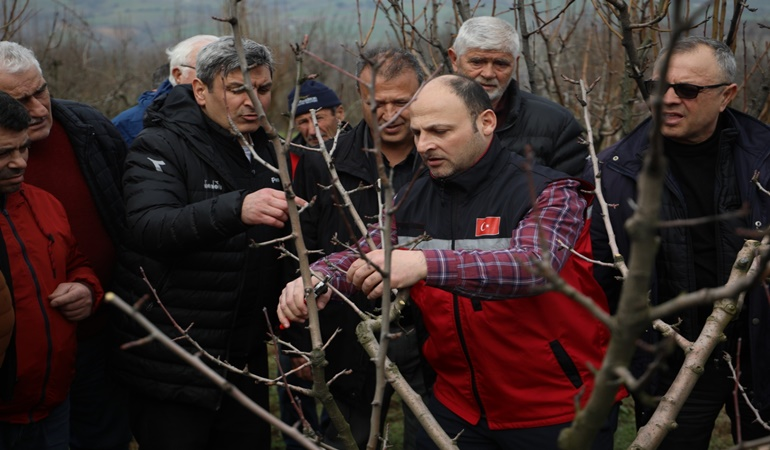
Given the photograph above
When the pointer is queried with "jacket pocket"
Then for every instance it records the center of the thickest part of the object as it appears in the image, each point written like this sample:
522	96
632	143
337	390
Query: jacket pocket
566	363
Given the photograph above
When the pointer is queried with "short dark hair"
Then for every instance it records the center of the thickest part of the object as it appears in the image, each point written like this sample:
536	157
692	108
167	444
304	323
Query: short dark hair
13	115
159	75
392	62
473	96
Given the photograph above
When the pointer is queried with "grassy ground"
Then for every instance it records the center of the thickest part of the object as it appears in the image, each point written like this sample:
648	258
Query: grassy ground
394	420
720	438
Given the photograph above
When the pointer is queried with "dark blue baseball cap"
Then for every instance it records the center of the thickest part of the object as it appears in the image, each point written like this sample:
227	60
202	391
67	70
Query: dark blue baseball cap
314	95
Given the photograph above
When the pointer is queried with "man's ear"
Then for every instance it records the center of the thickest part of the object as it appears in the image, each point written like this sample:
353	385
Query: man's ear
176	72
487	122
452	57
199	89
339	113
727	96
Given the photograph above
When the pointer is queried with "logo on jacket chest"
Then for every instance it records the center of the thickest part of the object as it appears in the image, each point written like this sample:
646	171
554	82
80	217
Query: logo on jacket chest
488	226
213	185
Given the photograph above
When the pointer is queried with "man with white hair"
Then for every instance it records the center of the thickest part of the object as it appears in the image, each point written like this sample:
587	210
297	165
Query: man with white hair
487	50
181	61
77	155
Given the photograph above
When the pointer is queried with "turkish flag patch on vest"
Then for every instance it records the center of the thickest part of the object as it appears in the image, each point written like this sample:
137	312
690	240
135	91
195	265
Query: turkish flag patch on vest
488	226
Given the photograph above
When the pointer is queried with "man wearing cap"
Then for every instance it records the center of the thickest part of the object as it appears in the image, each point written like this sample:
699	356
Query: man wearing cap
329	113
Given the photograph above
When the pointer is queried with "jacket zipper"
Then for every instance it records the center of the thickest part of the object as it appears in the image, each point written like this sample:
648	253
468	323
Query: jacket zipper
458	321
46	321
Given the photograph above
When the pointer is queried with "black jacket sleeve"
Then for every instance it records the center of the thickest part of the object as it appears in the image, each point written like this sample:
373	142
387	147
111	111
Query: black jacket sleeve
157	197
570	153
309	179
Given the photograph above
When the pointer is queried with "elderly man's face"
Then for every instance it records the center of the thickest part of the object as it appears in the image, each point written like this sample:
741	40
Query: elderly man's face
228	99
328	119
692	121
492	69
447	138
31	90
14	151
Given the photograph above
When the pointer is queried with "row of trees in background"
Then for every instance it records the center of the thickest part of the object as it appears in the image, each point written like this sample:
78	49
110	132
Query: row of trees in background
613	41
609	44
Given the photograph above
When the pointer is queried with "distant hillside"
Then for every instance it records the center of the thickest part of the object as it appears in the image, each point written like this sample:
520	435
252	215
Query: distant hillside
145	21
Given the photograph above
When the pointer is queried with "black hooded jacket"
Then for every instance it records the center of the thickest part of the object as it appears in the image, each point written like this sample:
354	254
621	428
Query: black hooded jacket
185	181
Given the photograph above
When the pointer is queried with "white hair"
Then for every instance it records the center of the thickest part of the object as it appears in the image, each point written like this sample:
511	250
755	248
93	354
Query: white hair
183	54
15	58
487	33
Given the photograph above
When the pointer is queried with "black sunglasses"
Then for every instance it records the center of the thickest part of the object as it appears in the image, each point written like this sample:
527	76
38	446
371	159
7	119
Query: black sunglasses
683	90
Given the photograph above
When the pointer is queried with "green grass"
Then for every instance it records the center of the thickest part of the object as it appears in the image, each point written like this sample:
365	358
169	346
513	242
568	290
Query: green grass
394	421
720	438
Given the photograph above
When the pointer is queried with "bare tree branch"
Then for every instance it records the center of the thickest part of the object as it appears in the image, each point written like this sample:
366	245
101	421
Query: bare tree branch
207	371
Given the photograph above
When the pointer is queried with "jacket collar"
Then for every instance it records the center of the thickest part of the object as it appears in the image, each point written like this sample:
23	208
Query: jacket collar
509	106
180	113
638	142
350	157
490	165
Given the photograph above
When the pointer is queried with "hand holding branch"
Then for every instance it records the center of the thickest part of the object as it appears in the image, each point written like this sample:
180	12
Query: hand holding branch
292	305
267	207
407	268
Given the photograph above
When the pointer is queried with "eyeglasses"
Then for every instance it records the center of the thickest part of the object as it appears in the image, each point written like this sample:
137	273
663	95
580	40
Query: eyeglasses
685	91
188	66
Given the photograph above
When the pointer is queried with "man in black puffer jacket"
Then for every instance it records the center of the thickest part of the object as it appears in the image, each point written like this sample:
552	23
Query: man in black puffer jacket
487	49
196	198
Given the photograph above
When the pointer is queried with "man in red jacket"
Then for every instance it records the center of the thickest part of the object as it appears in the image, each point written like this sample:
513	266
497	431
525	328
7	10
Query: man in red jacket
77	155
511	355
53	287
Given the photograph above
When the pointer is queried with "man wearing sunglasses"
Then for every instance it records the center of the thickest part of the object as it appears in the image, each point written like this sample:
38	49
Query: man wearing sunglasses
712	152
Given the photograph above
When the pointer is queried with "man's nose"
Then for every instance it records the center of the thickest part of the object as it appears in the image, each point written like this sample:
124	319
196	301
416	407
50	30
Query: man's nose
422	143
18	161
388	110
35	107
488	71
670	96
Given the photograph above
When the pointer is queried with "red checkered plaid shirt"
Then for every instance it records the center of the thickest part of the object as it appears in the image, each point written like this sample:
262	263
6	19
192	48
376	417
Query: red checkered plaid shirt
556	220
